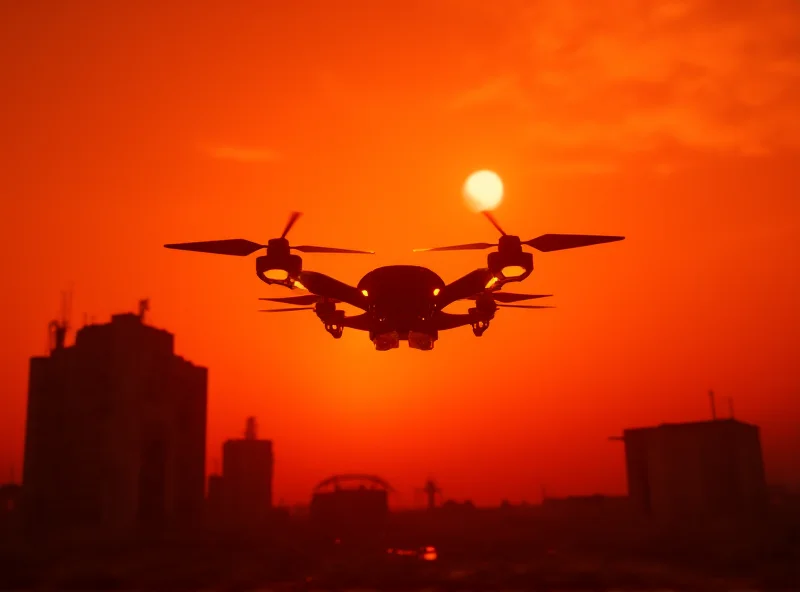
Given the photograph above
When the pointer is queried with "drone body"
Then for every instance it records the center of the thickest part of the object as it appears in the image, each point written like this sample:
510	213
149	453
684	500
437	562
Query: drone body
399	302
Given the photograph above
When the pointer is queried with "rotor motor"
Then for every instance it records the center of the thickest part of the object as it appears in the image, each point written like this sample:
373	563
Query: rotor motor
279	265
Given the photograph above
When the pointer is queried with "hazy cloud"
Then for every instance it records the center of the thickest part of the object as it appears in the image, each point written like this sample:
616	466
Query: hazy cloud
613	77
240	153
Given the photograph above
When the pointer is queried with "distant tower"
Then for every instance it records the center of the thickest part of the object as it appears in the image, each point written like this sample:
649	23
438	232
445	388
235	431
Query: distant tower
251	429
247	468
431	490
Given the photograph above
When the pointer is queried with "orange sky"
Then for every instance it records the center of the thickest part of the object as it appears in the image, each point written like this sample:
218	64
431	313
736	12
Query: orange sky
127	125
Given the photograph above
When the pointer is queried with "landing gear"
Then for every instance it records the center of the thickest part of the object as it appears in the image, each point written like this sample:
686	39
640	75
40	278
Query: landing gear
481	315
332	319
478	327
335	330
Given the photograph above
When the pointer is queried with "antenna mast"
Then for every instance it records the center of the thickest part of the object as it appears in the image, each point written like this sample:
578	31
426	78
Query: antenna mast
713	405
144	306
59	328
251	429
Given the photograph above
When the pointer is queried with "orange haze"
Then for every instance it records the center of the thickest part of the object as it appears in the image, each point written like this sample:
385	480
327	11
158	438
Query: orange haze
127	125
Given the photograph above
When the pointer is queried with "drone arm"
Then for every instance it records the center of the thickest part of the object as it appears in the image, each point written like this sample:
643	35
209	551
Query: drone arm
464	287
446	320
327	287
359	322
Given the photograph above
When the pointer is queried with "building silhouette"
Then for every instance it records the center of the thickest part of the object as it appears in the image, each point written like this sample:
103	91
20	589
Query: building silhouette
696	471
115	433
10	494
350	507
241	497
585	506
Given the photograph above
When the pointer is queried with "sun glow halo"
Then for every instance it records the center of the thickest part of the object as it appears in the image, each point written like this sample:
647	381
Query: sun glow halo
483	190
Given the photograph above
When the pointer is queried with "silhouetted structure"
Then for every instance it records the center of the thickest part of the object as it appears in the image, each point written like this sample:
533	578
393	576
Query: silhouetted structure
399	302
116	433
691	471
215	505
351	507
244	492
585	506
432	492
10	495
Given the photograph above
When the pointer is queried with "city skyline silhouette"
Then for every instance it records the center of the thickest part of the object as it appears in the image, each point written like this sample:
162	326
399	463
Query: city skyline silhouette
168	123
114	456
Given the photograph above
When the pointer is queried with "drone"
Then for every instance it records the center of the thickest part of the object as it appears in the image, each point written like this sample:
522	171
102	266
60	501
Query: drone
399	302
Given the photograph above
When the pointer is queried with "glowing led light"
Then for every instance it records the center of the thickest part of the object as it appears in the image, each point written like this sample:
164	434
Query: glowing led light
513	271
365	293
436	291
276	274
491	282
299	286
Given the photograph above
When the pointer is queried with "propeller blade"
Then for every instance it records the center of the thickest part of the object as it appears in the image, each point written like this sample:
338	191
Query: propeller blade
299	300
559	242
312	249
494	222
238	247
287	309
292	219
467	247
522	306
507	297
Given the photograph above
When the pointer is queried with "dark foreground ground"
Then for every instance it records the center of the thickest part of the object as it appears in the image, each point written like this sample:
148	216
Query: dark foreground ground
475	552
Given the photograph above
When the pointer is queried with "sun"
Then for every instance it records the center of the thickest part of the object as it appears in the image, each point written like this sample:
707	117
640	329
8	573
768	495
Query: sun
483	190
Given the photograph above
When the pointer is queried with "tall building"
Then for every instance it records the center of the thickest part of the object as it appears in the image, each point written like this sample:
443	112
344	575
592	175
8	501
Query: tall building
246	485
116	432
698	470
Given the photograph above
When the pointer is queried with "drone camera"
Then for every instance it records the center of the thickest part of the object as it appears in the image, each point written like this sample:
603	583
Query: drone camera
419	340
387	341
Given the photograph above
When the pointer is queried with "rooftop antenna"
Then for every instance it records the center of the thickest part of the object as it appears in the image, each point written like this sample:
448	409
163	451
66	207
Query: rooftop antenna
144	306
68	306
58	328
251	429
713	405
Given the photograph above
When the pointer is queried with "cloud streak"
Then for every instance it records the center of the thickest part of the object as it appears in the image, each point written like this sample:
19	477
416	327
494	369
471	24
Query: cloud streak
611	78
240	153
